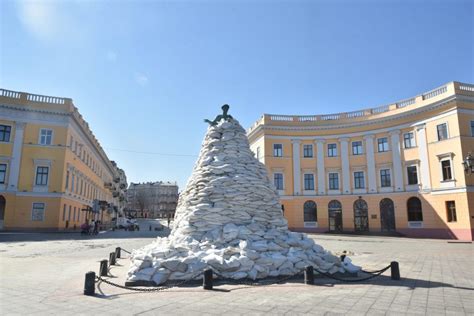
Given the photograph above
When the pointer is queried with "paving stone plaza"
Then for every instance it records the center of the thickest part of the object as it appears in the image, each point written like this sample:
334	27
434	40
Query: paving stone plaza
44	274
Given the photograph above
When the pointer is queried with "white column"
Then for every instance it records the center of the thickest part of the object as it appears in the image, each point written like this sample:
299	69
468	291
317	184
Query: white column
397	161
423	154
320	166
296	167
369	154
16	156
346	176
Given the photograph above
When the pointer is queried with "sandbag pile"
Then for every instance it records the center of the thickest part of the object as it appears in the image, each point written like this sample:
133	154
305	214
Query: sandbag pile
229	219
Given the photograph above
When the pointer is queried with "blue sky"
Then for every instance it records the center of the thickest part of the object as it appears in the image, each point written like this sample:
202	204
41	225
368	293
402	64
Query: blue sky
144	74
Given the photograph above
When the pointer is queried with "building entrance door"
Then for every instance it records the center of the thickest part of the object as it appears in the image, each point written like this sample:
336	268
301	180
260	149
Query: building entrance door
361	216
387	215
2	210
335	216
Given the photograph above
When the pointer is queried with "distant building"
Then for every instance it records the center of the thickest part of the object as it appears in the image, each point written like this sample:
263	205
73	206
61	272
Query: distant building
54	174
152	199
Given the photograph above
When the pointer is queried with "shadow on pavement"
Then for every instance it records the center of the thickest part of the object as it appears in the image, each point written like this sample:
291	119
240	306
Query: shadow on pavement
21	236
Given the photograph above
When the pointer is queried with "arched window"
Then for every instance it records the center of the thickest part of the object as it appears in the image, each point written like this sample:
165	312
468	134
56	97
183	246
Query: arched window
310	211
335	216
335	205
415	213
361	215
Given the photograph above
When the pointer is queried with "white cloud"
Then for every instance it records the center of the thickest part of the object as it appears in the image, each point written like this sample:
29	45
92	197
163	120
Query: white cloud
41	18
141	79
111	56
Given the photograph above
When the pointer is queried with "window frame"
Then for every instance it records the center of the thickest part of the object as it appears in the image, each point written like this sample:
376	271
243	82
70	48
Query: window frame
358	179
382	176
277	152
4	132
332	152
310	216
437	131
359	145
472	128
416	173
384	150
336	178
257	155
451	211
419	218
306	151
40	142
33	217
312	182
3	173
451	178
412	140
42	176
282	181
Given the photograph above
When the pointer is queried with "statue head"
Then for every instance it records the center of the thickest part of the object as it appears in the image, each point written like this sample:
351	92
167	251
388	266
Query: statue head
225	108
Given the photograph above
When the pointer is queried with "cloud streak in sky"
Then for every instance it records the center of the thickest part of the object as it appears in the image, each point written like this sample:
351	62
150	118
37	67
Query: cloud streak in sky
141	79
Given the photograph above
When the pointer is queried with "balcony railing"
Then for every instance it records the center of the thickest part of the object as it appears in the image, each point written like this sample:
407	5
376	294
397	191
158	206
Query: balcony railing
444	91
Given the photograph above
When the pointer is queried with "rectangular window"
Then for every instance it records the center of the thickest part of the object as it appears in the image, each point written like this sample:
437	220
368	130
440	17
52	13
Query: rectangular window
333	181
332	150
74	214
69	213
46	136
357	148
308	151
3	172
37	213
412	175
359	180
258	154
309	181
382	144
67	179
472	128
442	130
5	132
385	178
446	168
278	180
409	140
277	150
451	211
42	175
64	212
72	183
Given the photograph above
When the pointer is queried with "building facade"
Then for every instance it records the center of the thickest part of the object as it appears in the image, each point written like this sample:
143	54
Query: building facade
53	172
152	199
396	168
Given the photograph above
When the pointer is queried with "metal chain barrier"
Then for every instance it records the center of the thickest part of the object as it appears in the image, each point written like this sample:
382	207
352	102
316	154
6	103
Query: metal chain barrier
125	251
256	282
373	275
153	289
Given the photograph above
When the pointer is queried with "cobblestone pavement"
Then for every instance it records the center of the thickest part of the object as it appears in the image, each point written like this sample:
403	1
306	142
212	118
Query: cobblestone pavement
44	274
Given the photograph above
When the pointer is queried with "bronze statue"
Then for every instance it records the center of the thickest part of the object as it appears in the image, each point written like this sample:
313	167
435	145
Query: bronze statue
225	116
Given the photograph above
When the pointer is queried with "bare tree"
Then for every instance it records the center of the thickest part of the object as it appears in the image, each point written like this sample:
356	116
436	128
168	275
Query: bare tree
142	199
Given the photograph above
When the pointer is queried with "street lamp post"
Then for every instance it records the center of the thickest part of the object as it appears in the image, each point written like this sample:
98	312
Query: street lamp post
468	164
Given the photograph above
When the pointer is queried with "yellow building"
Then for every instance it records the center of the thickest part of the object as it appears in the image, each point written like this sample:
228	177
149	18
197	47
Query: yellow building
53	172
396	168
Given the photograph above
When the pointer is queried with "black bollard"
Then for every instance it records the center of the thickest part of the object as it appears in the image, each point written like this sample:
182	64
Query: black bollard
89	284
394	270
207	279
117	253
309	275
112	258
103	268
